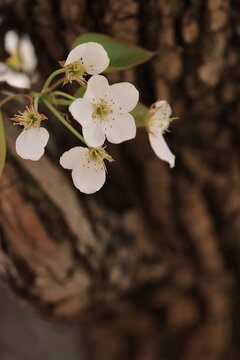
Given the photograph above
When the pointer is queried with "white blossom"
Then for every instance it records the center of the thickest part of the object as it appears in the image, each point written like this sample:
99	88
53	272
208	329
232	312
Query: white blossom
158	122
88	58
104	111
30	144
88	168
21	63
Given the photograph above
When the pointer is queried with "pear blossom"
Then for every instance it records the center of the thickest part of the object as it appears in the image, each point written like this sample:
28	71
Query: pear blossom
88	168
104	110
30	144
21	63
158	122
88	58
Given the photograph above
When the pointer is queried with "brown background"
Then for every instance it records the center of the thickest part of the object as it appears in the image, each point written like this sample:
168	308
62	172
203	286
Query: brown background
148	267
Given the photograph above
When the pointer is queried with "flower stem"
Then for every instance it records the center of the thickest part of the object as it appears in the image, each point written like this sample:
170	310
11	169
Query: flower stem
51	77
9	98
57	101
36	102
61	118
61	93
54	85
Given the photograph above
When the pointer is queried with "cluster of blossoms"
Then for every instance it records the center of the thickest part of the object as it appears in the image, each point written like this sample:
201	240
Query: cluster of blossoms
19	67
104	114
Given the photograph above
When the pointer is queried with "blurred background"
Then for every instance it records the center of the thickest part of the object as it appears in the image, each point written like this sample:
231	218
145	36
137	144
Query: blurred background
147	268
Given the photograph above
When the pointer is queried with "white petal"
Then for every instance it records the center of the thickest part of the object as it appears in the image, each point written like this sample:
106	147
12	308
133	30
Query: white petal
81	111
16	79
95	58
125	96
30	143
73	157
88	177
3	67
162	110
161	148
27	53
97	88
122	128
75	54
11	42
94	134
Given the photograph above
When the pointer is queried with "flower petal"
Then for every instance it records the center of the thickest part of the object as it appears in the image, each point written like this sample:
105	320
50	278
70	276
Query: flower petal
73	157
75	54
27	53
97	88
81	111
94	134
30	143
14	78
95	58
20	80
88	177
11	42
121	128
124	95
162	110
3	68
161	148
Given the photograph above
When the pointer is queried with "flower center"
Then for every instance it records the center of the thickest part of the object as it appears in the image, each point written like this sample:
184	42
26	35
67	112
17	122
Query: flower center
161	124
31	119
75	71
14	62
101	110
98	155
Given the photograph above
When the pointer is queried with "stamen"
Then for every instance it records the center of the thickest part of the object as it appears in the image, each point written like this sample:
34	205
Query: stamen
75	71
101	110
98	155
30	118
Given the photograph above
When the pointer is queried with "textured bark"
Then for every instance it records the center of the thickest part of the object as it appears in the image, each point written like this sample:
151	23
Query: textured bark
149	265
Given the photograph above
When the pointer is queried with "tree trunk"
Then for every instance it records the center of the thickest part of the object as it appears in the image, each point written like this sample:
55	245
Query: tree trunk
149	265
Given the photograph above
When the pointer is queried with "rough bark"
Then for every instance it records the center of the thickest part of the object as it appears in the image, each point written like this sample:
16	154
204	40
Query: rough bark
149	265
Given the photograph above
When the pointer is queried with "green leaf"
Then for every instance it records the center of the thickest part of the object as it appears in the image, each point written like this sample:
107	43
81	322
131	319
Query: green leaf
140	113
2	146
121	56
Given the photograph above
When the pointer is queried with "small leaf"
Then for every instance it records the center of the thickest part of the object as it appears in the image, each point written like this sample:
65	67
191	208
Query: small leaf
80	92
140	113
121	56
2	146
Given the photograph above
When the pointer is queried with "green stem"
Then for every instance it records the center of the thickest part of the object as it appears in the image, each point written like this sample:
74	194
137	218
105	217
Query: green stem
3	147
36	102
61	93
54	85
61	118
56	101
9	98
51	77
